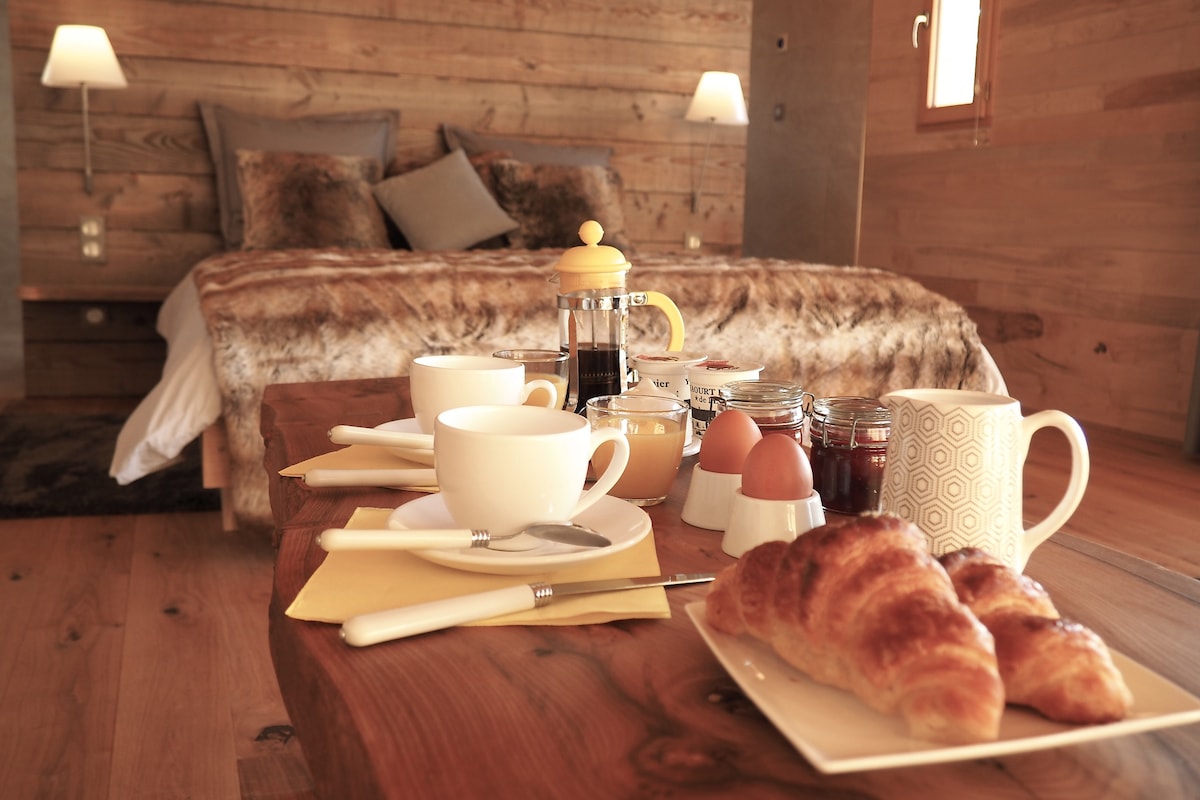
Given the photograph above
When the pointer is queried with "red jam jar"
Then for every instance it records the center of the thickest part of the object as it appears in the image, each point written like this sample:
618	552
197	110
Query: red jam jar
775	406
849	449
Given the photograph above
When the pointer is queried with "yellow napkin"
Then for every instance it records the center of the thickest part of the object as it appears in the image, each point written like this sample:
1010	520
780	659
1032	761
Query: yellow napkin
351	582
357	456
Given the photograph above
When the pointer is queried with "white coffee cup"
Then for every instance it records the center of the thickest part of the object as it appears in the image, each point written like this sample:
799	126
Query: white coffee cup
954	468
439	383
503	468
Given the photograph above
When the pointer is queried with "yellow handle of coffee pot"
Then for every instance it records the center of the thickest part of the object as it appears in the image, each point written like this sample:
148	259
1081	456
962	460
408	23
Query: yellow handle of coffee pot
674	318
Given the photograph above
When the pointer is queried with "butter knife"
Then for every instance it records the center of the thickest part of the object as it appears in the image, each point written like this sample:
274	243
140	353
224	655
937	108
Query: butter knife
388	478
397	623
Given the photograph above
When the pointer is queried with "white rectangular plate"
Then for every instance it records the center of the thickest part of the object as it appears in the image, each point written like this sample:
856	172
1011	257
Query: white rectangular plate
837	732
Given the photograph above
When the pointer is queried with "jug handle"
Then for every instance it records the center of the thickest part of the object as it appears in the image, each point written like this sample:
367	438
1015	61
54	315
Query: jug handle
1076	485
674	318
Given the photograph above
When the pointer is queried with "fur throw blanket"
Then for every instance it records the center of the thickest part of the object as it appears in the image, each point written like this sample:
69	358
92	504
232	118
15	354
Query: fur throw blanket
311	315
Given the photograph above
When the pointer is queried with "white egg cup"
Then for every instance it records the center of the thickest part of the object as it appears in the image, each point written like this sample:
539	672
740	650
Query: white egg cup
710	498
753	521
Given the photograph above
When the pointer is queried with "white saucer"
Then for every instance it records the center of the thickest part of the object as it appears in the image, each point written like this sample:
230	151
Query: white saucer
623	523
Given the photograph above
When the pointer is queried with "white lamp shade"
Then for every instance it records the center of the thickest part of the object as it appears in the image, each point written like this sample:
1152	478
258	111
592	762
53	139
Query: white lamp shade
82	54
718	99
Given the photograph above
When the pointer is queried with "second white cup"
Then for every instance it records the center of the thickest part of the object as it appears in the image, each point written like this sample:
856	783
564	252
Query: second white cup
503	468
439	383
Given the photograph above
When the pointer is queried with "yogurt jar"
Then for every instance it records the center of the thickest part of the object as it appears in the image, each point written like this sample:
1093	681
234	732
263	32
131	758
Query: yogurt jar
706	379
667	372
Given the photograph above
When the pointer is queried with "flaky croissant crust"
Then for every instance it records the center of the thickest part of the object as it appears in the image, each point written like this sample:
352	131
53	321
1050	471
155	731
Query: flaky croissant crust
863	606
1060	668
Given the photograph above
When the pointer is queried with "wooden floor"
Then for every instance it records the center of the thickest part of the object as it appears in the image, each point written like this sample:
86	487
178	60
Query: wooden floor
135	664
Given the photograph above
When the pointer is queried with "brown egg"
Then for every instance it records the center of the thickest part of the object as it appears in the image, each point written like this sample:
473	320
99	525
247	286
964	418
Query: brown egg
727	441
777	468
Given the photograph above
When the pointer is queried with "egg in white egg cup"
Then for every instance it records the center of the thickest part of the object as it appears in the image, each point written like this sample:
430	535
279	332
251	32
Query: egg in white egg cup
753	521
710	498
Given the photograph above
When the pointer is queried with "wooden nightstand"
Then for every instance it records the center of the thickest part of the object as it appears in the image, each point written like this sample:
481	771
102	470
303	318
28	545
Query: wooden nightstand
91	340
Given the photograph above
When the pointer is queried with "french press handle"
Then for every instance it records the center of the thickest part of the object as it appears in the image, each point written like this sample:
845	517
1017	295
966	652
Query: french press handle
667	306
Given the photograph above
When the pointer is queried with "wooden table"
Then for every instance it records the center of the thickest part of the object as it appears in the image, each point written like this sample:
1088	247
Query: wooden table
642	708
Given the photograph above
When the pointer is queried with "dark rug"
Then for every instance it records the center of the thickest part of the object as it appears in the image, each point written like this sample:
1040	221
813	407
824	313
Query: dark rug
54	465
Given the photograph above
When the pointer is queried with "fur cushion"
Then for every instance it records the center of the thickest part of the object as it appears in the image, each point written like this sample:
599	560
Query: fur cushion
550	201
357	133
294	200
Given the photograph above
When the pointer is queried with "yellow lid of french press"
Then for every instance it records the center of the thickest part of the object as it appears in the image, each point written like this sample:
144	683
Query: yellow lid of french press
591	265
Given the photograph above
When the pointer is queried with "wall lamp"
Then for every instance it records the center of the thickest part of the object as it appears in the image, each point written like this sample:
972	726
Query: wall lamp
718	101
82	56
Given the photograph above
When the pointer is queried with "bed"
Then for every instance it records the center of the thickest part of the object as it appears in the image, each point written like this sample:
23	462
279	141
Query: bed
333	271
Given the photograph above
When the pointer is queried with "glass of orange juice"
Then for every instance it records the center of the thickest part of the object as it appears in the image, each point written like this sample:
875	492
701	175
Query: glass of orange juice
550	365
655	427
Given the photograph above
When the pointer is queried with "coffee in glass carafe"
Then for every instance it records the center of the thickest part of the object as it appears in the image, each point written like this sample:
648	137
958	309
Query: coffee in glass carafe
593	317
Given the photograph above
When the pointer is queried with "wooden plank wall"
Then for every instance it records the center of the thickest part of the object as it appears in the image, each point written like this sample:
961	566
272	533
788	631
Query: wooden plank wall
617	73
1072	232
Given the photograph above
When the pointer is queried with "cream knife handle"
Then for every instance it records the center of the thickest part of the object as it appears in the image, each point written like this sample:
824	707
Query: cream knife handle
391	539
353	434
397	623
323	477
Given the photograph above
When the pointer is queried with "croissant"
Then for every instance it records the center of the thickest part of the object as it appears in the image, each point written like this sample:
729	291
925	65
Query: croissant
1059	668
863	606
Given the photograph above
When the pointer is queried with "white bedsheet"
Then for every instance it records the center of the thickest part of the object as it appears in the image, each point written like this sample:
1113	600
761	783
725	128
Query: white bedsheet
183	403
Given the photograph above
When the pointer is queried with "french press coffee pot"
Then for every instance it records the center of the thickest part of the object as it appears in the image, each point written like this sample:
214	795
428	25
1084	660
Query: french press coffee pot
593	317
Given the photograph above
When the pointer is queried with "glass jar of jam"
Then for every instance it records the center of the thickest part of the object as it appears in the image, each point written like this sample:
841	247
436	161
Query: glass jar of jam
775	406
849	449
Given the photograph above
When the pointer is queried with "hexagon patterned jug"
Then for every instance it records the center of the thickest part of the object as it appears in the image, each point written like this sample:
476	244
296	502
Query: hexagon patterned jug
955	461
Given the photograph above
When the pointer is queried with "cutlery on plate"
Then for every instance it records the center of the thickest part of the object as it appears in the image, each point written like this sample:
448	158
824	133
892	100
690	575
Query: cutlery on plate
394	478
437	538
353	434
397	623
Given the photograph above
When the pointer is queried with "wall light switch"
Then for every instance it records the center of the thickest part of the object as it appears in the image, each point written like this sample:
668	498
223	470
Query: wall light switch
91	239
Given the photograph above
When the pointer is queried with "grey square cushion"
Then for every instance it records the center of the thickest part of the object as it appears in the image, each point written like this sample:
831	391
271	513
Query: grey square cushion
443	206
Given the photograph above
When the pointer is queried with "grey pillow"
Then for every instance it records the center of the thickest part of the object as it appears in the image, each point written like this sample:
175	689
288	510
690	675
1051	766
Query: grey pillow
523	150
443	206
364	133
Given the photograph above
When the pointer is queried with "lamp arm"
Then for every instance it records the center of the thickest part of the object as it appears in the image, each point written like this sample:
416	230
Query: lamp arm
700	182
87	143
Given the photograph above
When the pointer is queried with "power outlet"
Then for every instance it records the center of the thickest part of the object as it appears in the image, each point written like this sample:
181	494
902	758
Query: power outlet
91	239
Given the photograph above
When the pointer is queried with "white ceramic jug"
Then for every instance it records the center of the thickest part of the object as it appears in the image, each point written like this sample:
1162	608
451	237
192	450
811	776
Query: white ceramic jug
954	464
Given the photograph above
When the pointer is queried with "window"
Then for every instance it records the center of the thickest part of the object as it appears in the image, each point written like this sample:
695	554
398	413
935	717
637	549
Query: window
954	38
